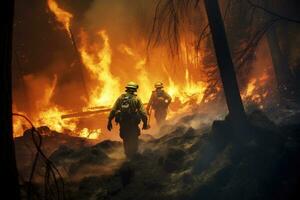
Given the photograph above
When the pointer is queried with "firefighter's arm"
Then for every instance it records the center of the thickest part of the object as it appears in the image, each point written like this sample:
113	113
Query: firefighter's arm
112	114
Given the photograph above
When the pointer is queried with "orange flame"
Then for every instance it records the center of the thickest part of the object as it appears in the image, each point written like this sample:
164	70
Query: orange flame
98	63
256	90
140	67
61	15
105	86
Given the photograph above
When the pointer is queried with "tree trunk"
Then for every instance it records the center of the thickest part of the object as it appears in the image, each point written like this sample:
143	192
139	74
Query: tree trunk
234	103
280	65
9	174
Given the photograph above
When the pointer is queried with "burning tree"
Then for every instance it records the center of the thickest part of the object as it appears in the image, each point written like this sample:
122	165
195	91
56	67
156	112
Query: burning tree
174	10
172	18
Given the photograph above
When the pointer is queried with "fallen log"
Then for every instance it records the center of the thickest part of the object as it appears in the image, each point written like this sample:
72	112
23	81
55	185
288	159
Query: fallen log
85	113
92	111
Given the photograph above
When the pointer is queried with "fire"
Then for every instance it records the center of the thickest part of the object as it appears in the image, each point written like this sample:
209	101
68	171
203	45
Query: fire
189	91
91	134
250	88
140	67
62	16
97	61
172	89
256	90
47	113
18	124
191	88
104	83
52	118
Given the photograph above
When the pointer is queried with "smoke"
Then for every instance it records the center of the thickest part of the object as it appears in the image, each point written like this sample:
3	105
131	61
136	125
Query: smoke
44	93
124	20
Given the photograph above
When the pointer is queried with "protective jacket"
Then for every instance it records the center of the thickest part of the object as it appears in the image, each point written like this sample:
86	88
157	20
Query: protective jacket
128	110
159	100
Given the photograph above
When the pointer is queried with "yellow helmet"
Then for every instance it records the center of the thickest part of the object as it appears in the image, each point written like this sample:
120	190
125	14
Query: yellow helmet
159	85
132	85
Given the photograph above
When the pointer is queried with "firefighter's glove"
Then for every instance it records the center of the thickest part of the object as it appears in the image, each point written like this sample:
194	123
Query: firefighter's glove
146	126
109	125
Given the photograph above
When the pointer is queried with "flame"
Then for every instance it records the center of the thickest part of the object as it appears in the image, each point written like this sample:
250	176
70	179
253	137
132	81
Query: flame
250	88
90	134
98	63
49	114
189	91
52	118
256	91
62	16
172	89
46	113
105	84
140	67
18	124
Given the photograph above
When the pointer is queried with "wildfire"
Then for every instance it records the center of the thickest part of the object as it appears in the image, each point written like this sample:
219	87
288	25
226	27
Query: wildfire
97	61
91	134
48	114
143	77
18	124
105	84
256	91
62	16
172	89
52	118
190	90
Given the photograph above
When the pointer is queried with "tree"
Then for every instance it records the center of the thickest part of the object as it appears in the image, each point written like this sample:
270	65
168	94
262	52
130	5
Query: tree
234	103
172	11
281	67
280	64
9	174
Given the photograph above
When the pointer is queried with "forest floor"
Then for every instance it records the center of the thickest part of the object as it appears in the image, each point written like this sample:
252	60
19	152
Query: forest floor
184	163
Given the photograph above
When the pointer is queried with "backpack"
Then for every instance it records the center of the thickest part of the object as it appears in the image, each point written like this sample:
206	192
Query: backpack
128	111
126	104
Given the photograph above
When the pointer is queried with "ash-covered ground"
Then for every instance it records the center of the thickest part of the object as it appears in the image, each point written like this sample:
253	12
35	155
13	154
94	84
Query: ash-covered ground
186	160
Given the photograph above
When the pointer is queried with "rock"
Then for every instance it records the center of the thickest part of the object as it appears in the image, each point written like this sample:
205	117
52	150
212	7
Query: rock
27	133
44	130
173	159
189	134
187	178
258	119
221	133
126	173
88	185
91	157
107	144
61	153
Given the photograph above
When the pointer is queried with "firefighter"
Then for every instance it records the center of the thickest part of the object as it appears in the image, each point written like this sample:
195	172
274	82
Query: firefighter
159	102
128	111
